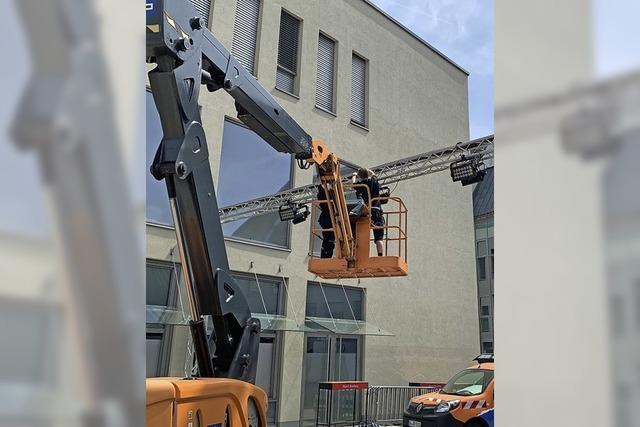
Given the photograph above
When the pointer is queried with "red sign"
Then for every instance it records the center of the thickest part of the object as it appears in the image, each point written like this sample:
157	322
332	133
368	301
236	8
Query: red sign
344	385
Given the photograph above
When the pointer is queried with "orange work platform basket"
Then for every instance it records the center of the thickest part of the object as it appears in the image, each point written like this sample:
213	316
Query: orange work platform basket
364	261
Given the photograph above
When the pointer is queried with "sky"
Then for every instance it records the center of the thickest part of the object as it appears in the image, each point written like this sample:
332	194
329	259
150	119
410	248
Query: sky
463	31
616	36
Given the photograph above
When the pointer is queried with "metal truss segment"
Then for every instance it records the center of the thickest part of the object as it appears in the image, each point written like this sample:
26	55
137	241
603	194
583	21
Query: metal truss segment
388	173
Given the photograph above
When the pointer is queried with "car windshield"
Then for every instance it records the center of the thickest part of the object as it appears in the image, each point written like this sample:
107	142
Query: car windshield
469	382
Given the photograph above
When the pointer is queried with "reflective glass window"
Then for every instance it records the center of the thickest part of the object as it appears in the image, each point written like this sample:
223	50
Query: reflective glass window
250	168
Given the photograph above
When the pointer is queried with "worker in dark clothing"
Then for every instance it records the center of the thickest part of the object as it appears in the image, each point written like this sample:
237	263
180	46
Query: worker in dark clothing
324	219
367	177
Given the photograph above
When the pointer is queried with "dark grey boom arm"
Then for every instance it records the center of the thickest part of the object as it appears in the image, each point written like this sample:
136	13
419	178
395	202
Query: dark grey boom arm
188	55
175	30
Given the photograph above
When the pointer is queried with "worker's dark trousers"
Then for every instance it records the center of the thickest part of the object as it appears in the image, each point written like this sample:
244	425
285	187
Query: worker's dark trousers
328	244
377	220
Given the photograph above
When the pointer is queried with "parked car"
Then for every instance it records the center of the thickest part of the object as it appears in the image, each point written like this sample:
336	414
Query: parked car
465	401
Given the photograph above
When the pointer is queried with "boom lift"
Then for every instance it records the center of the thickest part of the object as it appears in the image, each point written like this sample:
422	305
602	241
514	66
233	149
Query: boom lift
188	55
451	158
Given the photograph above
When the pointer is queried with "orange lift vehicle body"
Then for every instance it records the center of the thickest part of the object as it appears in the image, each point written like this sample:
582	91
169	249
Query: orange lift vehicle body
204	402
453	406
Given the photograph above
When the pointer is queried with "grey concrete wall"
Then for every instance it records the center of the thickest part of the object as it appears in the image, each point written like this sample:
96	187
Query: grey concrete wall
417	102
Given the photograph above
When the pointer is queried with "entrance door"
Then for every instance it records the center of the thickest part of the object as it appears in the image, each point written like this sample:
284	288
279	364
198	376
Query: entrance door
345	368
329	358
316	370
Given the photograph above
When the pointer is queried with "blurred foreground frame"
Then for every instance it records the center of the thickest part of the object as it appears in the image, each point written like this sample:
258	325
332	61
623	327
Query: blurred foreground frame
86	322
568	273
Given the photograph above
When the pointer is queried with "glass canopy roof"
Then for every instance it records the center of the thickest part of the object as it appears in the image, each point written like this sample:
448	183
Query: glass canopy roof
161	315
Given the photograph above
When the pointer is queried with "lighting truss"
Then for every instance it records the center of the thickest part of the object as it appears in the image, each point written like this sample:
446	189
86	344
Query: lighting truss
388	173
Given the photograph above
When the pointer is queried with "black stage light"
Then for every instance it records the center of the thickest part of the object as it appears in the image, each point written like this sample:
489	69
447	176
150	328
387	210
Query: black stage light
293	213
467	171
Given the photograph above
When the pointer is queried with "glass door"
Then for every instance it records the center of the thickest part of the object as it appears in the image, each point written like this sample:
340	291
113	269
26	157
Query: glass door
330	358
345	368
316	370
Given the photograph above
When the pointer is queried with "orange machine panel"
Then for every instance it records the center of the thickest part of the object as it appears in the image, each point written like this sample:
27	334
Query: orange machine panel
335	268
203	402
161	395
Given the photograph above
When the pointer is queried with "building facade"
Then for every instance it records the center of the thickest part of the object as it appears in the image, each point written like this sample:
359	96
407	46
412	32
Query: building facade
483	220
373	92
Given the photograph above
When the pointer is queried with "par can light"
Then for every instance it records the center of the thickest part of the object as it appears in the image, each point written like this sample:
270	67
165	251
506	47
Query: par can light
286	212
467	171
293	213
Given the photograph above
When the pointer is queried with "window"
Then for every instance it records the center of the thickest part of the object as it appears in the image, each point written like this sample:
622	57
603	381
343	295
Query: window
269	287
481	248
245	33
288	53
487	347
204	8
265	374
251	168
162	290
484	324
157	205
265	360
493	275
469	382
325	91
153	352
267	371
482	268
162	284
485	310
491	252
338	305
358	90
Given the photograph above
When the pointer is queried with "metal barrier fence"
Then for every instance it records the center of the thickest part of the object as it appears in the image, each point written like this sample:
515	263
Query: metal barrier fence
386	404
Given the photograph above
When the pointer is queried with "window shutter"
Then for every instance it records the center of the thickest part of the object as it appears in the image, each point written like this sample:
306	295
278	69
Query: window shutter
324	81
245	33
203	7
287	52
358	90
